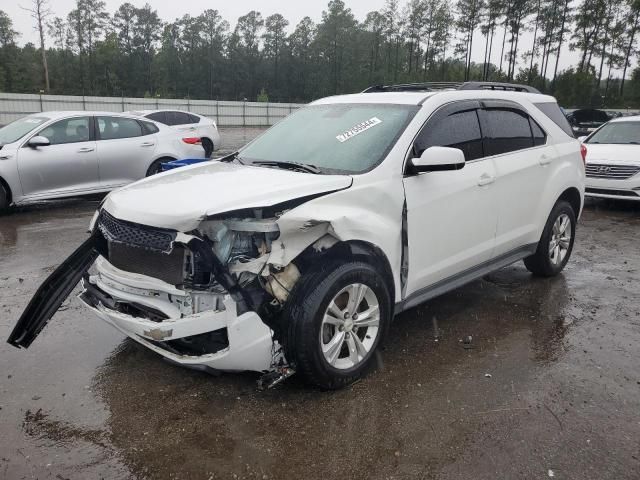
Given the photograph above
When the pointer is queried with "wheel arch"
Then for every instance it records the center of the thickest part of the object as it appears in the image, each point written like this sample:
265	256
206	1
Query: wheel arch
572	196
349	250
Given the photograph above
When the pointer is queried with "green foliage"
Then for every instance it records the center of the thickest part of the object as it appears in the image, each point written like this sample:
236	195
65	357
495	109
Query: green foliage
132	52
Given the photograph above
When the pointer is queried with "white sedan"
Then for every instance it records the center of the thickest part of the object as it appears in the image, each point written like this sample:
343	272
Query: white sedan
62	154
613	160
195	129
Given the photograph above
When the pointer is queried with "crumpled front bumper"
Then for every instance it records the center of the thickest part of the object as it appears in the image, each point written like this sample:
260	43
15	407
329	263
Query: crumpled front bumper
251	345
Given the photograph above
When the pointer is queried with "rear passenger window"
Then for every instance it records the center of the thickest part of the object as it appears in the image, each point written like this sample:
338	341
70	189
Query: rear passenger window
539	137
194	119
506	131
460	130
149	128
110	128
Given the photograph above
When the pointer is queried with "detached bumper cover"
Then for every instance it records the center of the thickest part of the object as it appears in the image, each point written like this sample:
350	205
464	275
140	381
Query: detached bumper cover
53	291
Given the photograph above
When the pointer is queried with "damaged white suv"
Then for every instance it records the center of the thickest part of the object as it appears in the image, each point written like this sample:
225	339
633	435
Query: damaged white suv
295	253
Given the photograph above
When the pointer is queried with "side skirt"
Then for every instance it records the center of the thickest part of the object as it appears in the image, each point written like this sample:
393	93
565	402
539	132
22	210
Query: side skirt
464	277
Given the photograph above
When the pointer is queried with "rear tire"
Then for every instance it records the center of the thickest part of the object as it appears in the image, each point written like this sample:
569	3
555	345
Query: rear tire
4	200
208	147
156	167
336	319
556	242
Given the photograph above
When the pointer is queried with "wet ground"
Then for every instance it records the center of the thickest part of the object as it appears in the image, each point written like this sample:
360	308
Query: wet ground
550	385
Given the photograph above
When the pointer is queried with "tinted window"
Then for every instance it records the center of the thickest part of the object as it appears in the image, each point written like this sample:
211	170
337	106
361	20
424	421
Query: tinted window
552	110
194	119
539	137
178	118
158	117
460	130
149	128
118	127
506	131
69	130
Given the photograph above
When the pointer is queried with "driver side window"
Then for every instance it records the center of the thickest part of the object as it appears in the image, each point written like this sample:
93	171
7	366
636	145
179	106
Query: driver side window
459	130
69	130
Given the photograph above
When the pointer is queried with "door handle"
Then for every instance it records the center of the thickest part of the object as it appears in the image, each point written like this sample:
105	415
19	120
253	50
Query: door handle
5	157
147	144
486	179
86	149
544	160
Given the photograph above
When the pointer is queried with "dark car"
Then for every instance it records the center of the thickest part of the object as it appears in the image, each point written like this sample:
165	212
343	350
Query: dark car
584	121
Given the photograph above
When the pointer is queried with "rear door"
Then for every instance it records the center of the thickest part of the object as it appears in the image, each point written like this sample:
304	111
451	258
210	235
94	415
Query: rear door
517	145
69	164
125	148
183	122
451	215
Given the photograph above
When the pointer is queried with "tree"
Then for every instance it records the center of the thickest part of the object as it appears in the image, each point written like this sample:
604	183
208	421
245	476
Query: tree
274	42
335	33
630	37
39	11
469	18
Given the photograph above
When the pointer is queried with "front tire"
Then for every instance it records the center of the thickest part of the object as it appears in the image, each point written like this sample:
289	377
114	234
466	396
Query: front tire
337	317
556	242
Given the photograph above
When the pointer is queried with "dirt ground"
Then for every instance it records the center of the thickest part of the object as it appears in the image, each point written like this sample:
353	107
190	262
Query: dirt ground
549	387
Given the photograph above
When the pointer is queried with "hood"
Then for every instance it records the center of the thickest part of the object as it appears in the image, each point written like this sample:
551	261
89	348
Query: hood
182	198
603	153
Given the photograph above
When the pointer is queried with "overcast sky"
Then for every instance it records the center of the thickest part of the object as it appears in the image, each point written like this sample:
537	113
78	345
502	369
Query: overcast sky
293	10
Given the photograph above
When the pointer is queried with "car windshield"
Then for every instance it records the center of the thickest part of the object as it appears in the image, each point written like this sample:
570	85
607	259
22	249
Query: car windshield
617	133
18	129
337	138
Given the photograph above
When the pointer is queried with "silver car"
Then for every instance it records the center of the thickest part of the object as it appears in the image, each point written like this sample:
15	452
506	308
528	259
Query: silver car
61	154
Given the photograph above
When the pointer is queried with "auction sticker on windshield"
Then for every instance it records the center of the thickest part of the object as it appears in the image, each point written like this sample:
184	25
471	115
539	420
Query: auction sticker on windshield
358	129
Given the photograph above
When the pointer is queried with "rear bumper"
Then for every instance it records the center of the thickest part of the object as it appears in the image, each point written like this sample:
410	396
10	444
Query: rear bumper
250	342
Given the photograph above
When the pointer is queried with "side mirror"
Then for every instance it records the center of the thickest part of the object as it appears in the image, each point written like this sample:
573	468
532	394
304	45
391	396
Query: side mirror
438	159
39	141
582	139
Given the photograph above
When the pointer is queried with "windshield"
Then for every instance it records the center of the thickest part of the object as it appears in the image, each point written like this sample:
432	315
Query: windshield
18	129
617	133
338	138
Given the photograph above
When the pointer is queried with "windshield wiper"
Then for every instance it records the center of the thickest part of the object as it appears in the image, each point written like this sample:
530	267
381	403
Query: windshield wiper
290	165
231	157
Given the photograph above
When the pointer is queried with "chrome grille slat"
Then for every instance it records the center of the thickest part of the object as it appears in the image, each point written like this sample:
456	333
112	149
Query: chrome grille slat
613	172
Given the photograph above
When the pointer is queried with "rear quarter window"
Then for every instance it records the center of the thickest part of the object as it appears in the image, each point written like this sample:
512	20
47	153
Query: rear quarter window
552	110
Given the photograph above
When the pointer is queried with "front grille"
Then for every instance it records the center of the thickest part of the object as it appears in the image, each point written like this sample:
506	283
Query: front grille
169	268
132	234
604	191
611	172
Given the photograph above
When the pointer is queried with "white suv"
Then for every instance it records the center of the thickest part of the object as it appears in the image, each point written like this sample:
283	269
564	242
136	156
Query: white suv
295	253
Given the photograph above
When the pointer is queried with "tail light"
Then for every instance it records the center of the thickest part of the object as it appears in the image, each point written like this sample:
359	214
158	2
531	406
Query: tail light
583	152
192	140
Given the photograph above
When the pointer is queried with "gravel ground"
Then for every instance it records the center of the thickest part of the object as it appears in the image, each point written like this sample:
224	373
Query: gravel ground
561	398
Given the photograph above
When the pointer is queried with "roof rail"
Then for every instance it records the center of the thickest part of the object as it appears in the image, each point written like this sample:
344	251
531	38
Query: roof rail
513	87
414	87
432	86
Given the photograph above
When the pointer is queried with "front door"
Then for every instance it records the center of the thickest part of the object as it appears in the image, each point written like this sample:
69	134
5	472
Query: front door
451	215
69	164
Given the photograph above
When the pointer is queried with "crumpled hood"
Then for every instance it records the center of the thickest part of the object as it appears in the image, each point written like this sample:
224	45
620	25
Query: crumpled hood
182	198
613	154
